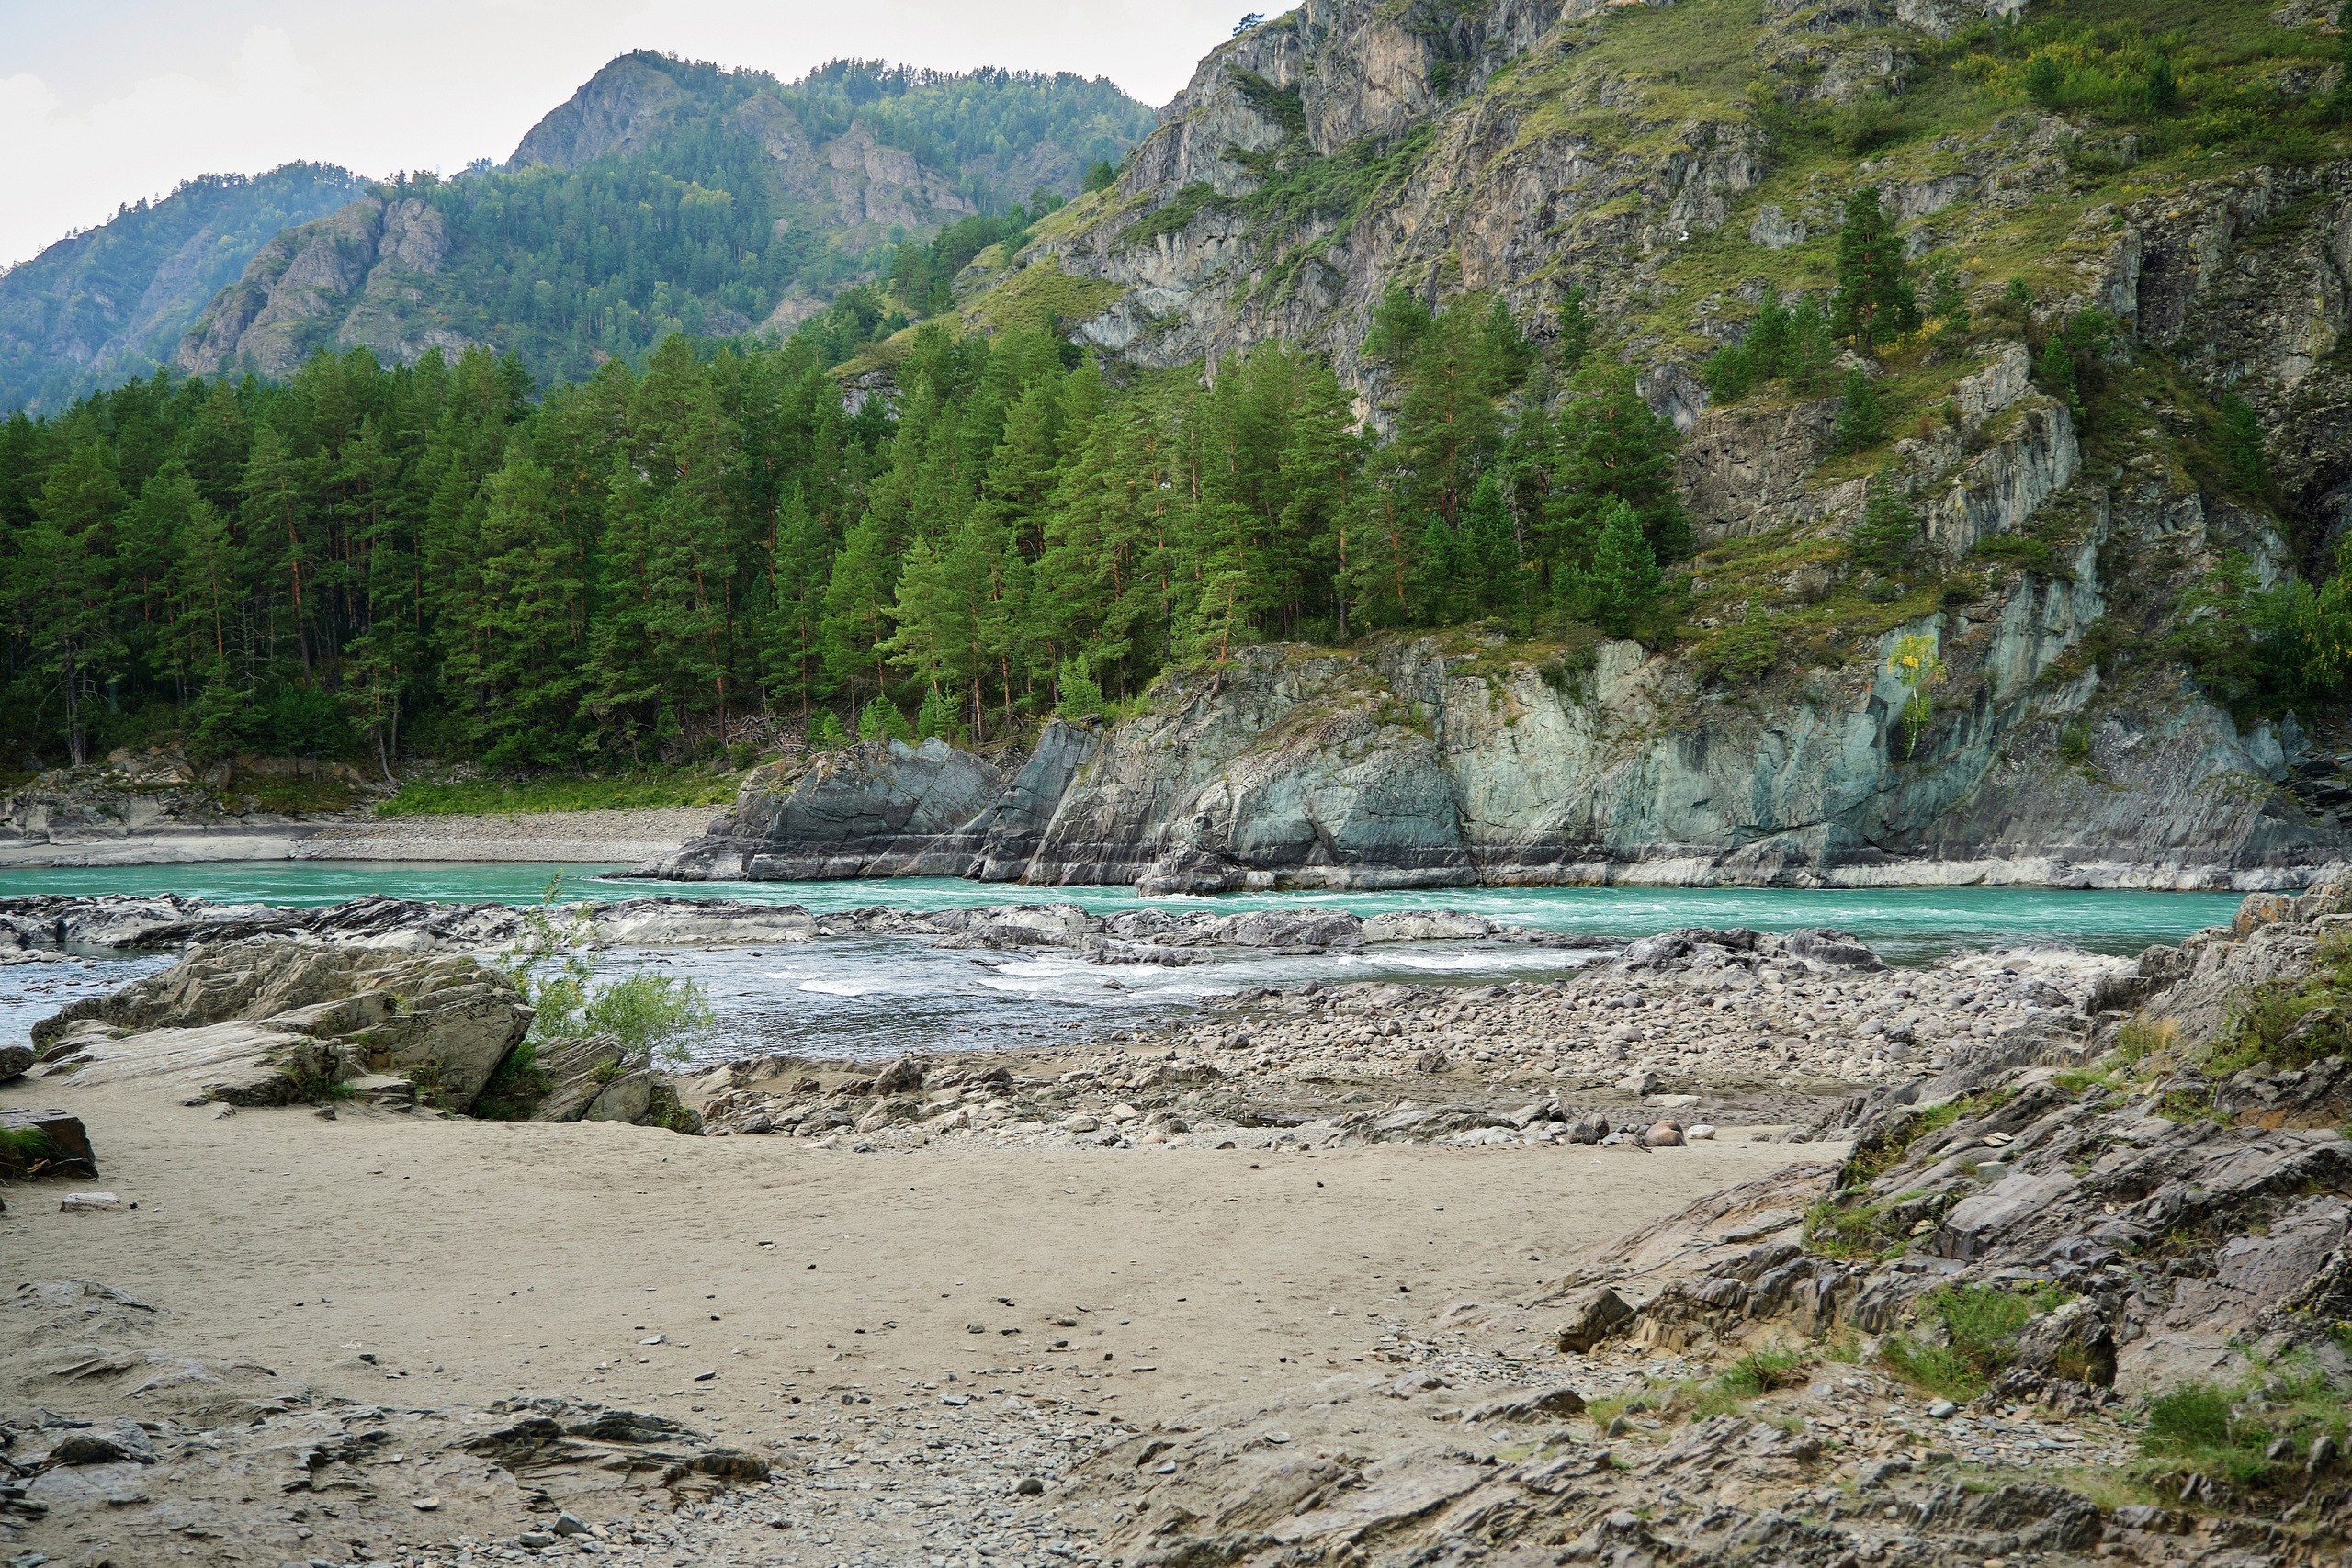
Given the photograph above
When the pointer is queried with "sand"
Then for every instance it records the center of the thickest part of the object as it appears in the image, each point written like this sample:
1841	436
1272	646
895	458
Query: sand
488	1260
583	837
580	837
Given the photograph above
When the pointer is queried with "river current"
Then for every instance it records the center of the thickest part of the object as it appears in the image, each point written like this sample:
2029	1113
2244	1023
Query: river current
878	997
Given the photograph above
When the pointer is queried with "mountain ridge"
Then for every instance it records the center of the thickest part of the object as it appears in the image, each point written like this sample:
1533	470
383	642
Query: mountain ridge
111	302
759	199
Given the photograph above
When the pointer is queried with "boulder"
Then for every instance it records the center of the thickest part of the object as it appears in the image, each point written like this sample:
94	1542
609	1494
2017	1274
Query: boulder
627	1097
577	1071
270	1022
44	1143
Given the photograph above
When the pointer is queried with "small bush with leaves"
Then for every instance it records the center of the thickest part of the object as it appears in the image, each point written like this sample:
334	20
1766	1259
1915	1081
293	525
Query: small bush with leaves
1746	650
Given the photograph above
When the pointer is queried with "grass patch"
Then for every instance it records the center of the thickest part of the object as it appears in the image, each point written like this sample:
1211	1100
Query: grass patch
1760	1371
2292	1025
23	1151
291	795
647	790
1044	297
1979	1326
2254	1437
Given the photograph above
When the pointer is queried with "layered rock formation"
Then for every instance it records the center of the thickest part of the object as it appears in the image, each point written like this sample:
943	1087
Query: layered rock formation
269	1023
1409	765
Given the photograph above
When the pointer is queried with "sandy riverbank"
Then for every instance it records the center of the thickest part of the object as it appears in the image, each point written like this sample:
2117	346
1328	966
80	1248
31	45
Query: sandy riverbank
586	837
583	837
441	1266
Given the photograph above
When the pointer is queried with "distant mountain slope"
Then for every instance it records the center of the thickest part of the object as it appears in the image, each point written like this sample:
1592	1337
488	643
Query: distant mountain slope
111	303
664	196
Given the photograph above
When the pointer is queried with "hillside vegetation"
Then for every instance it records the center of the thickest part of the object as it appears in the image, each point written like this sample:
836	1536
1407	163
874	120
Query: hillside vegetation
666	196
110	305
1821	346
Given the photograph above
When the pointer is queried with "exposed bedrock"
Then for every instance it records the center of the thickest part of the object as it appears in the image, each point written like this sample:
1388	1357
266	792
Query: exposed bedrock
1411	765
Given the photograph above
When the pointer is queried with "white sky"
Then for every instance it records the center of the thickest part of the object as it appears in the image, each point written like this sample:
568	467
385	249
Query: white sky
105	101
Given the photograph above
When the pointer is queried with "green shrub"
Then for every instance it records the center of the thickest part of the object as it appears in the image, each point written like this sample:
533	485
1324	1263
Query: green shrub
1761	1371
1742	652
649	1014
517	1085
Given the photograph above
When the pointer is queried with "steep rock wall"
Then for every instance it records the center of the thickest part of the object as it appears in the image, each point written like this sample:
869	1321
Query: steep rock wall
1409	764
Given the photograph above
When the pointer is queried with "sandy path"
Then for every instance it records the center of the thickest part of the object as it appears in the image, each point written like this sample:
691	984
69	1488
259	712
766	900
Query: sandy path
489	1259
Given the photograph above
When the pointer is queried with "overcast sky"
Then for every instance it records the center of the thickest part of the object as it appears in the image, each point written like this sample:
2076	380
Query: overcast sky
105	101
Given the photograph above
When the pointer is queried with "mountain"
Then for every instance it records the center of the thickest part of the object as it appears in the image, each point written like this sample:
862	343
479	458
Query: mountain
1710	441
111	303
664	196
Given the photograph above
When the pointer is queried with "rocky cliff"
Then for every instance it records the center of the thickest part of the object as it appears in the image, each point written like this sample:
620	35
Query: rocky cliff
1418	763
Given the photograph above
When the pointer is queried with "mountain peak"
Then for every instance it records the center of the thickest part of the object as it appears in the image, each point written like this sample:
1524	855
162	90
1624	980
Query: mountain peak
619	110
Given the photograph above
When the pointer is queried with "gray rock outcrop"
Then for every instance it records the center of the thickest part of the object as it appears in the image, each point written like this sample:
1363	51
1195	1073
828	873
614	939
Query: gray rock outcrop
1994	1175
269	1022
1398	767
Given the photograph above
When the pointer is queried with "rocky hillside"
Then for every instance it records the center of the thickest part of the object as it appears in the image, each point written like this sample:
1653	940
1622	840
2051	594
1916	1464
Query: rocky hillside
103	306
1439	761
663	196
2114	419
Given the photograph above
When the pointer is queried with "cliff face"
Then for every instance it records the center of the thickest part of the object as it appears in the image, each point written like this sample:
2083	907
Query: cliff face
1417	764
358	278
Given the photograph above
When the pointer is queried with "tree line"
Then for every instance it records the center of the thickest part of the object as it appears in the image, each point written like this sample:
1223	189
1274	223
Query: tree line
434	557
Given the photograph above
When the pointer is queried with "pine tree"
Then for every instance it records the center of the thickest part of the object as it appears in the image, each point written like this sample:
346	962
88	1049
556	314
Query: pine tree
1889	531
1874	303
1625	580
1862	420
61	585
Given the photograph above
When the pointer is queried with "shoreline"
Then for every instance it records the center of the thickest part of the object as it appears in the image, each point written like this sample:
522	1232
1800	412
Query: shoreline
641	838
625	837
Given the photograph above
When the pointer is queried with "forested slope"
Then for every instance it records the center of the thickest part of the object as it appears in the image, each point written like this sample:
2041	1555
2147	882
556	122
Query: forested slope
666	196
1852	432
110	304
